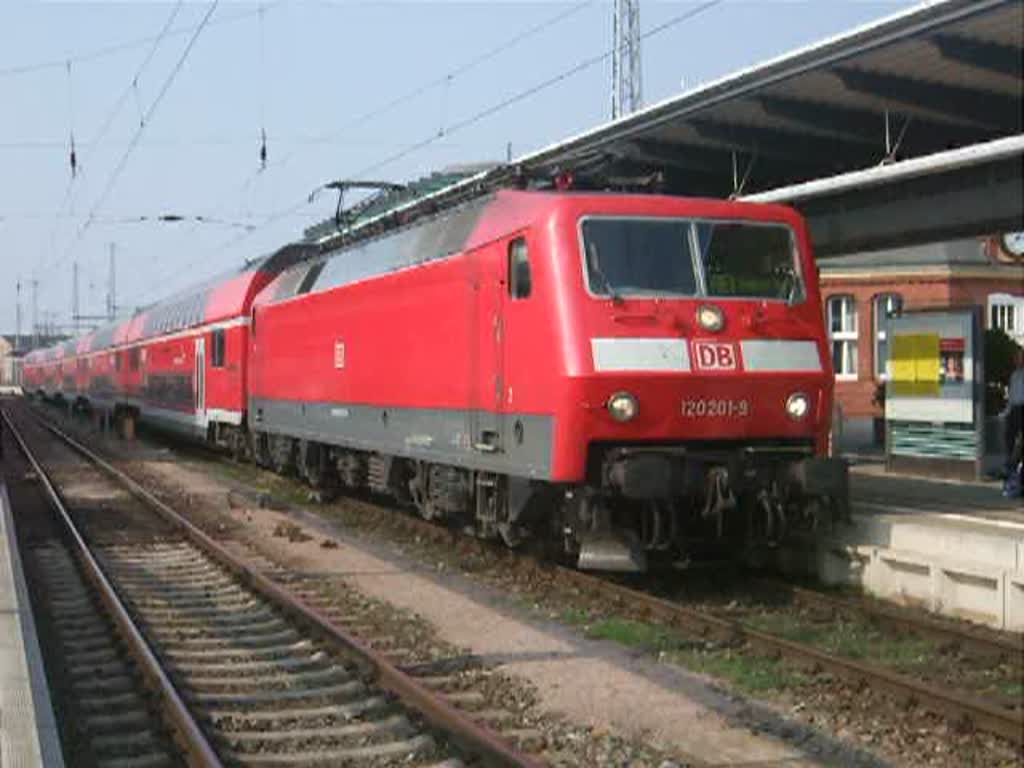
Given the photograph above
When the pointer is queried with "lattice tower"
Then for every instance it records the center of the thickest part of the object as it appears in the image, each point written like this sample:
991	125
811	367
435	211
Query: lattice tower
627	80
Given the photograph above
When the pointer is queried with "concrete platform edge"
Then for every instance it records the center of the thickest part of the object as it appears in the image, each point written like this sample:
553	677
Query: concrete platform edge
967	569
28	729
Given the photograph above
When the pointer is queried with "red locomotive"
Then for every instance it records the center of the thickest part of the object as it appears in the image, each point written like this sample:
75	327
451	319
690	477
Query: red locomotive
629	375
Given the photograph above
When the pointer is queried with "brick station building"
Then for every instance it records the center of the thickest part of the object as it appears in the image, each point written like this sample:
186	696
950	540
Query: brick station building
861	290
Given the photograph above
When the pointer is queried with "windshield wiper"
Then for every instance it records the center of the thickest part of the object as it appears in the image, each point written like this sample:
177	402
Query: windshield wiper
791	287
595	266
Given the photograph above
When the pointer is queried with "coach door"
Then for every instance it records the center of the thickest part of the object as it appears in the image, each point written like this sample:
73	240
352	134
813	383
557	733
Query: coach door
200	378
488	365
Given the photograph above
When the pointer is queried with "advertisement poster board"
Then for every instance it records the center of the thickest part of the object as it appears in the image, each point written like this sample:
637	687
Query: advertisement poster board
933	404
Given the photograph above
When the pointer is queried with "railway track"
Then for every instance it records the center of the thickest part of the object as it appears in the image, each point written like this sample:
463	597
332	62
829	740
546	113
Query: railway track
976	641
243	672
97	687
960	706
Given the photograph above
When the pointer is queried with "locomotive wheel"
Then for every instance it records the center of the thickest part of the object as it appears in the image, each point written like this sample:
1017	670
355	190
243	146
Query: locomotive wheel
418	490
239	445
316	465
282	454
311	464
261	450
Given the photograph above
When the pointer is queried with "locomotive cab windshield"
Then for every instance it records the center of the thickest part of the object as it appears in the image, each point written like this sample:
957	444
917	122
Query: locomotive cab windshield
680	258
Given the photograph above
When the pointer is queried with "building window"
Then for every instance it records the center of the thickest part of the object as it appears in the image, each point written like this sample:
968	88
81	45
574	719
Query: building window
217	352
887	305
842	330
1005	312
518	269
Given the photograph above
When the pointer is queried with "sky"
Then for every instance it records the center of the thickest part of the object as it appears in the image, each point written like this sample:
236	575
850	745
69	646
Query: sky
167	114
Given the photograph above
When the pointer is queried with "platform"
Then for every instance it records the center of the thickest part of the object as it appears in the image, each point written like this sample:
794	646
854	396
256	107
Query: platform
28	730
956	548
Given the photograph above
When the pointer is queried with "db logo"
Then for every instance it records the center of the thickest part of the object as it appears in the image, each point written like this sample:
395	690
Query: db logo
714	356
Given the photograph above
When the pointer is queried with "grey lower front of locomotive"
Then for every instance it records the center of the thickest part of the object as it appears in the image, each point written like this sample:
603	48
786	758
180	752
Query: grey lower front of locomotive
671	502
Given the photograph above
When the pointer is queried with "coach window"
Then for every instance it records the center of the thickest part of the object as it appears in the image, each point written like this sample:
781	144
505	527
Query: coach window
518	269
217	343
842	331
117	360
133	358
887	305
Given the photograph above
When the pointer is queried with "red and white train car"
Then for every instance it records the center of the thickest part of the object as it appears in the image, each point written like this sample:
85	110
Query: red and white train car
180	364
628	375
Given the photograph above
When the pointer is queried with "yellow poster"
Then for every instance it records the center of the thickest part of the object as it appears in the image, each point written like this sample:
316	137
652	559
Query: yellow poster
915	365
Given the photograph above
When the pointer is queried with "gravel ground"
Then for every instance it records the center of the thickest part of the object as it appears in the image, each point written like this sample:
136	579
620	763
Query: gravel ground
870	724
812	710
627	694
568	740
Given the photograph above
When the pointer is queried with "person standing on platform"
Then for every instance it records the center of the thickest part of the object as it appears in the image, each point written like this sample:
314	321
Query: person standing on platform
1013	422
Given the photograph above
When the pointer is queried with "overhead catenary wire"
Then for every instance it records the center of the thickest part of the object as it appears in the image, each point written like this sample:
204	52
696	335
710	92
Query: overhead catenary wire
329	137
262	95
122	164
206	141
591	61
72	155
488	112
444	80
117	48
133	218
535	89
113	113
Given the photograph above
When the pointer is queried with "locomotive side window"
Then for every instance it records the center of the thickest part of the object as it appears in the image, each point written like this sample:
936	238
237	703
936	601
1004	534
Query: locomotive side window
217	348
519	282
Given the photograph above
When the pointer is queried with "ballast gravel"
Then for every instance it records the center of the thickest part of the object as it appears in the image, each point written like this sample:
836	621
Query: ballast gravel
600	703
827	723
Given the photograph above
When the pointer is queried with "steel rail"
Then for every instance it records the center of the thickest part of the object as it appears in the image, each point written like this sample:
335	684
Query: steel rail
1006	723
986	645
985	716
184	729
474	739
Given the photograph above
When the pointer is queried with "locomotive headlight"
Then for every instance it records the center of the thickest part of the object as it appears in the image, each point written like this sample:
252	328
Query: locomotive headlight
797	406
623	406
710	318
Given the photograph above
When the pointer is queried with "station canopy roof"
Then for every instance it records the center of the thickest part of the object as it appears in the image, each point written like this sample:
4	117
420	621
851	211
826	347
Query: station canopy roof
937	77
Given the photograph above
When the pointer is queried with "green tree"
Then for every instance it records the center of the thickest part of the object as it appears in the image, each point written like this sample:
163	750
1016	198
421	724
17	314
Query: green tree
1000	360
